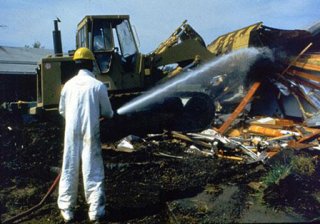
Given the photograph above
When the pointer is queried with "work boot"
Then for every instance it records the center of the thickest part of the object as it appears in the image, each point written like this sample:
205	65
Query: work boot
67	216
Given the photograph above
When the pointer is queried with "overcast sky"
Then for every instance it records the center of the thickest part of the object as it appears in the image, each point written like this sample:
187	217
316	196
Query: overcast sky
25	21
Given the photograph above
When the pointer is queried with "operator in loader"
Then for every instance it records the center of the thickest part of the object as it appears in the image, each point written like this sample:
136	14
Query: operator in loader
83	100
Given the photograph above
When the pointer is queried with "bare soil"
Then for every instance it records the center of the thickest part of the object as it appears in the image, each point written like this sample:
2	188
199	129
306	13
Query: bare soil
147	187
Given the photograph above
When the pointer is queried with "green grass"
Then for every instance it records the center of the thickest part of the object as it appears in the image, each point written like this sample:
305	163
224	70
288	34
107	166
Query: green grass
277	173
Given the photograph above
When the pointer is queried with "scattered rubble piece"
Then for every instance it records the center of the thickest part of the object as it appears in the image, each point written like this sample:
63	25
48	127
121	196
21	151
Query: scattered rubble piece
125	146
314	120
196	151
253	140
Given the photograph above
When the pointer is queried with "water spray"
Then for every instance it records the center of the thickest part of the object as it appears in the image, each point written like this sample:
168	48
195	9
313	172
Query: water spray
240	60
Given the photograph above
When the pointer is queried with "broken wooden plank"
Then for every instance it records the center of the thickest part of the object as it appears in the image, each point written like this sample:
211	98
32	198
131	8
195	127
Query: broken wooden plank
298	146
167	155
270	132
273	122
296	58
308	76
240	107
283	137
310	137
186	138
272	154
307	66
230	157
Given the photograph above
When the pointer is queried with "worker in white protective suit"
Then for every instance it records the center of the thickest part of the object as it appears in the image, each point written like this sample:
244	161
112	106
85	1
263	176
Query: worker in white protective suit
83	101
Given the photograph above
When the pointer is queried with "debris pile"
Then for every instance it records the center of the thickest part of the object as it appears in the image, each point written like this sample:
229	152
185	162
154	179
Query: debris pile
285	146
258	139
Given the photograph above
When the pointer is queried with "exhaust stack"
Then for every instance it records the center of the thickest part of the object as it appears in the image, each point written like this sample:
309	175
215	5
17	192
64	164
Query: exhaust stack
57	43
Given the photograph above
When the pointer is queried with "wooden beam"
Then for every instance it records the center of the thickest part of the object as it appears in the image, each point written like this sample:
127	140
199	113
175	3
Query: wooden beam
304	75
240	107
310	137
307	66
296	58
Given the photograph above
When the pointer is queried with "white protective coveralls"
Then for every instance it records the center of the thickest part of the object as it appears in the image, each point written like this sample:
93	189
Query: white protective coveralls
83	100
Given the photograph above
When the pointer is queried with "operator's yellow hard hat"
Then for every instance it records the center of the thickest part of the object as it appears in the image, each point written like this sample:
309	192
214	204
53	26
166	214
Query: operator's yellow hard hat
83	53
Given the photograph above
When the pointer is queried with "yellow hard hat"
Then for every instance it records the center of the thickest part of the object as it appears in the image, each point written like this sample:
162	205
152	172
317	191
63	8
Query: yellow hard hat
83	53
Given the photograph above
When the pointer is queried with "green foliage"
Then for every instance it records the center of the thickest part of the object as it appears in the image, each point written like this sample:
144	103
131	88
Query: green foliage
303	166
299	165
277	173
36	44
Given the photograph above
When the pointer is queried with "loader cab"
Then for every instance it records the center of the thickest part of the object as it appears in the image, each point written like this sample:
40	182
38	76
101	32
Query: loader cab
111	40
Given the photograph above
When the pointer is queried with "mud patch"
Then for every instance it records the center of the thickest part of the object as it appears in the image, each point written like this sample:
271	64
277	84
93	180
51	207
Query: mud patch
224	206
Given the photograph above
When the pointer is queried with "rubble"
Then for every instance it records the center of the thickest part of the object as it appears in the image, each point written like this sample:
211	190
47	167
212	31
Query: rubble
258	140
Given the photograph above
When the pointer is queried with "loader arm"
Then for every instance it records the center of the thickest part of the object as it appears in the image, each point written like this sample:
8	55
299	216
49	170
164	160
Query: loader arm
183	47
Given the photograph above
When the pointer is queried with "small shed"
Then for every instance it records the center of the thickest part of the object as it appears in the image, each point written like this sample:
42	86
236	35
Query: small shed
18	72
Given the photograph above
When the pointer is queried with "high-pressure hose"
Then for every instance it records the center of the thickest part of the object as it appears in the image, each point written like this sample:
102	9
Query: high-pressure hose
25	213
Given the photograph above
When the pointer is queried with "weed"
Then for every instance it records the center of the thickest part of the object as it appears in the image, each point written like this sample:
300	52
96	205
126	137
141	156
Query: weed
277	173
303	166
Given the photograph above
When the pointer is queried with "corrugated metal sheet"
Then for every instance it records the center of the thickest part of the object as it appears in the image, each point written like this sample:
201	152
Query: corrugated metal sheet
20	60
233	41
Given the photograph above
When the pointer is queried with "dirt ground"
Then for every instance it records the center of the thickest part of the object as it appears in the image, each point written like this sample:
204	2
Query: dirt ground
148	186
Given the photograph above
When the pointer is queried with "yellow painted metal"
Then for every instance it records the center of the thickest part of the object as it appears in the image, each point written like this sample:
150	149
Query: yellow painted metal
234	40
87	18
50	81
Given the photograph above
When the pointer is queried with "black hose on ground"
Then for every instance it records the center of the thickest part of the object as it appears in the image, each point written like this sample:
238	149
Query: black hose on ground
25	213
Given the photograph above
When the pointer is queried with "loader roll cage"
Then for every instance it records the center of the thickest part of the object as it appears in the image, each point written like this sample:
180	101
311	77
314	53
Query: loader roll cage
106	36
